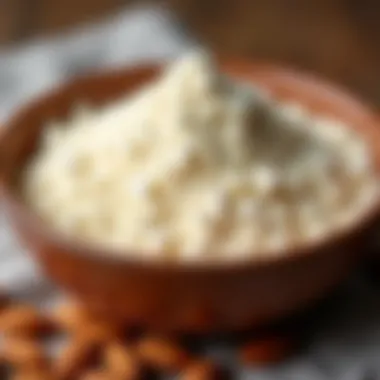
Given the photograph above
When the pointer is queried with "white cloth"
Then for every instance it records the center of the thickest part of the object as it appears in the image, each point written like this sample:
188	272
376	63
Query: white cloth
344	346
138	35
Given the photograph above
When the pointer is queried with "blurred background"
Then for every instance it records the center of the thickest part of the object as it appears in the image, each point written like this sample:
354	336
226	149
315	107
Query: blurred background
45	42
337	38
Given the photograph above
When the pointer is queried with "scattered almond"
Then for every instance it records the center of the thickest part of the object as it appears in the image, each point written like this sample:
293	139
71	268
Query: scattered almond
122	362
99	331
201	370
70	317
162	354
100	375
23	320
266	351
75	358
24	355
74	319
32	375
21	352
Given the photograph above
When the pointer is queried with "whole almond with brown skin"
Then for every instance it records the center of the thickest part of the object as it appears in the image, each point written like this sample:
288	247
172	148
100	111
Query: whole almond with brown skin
26	355
99	375
69	316
201	370
32	375
162	354
267	350
76	357
23	320
99	331
122	361
74	319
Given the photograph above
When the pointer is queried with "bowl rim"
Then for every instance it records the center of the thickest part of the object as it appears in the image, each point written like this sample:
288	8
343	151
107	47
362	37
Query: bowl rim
15	204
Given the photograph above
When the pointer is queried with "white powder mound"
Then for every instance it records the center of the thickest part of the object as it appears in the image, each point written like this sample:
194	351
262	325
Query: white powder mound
197	165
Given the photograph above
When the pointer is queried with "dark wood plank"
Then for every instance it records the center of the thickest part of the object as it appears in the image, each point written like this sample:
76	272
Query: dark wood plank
8	20
338	38
57	15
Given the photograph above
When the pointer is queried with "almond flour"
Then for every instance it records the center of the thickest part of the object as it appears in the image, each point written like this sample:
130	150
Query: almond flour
197	165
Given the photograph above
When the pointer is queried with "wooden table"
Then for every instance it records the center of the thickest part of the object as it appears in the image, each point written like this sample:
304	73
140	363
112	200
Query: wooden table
339	38
20	19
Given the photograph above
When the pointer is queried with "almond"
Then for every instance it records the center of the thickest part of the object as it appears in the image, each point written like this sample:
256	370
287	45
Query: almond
266	350
201	370
74	319
32	375
24	354
99	375
98	331
69	316
122	361
162	354
23	320
76	357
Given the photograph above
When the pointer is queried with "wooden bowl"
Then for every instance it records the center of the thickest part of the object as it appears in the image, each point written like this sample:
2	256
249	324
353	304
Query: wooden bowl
187	297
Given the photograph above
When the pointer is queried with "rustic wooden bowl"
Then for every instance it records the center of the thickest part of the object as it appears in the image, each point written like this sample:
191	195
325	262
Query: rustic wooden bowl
187	297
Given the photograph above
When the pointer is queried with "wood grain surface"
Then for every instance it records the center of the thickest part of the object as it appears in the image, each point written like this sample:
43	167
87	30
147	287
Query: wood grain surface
337	38
28	18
